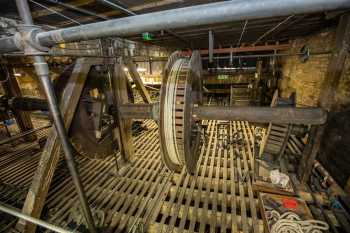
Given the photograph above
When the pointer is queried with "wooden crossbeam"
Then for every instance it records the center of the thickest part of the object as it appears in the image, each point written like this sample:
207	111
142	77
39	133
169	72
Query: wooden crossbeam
138	81
42	178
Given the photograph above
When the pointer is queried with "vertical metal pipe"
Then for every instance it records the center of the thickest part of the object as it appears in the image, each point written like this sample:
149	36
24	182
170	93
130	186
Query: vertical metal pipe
211	45
42	70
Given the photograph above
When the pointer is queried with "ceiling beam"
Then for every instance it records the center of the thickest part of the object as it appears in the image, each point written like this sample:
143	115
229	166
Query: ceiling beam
76	3
243	49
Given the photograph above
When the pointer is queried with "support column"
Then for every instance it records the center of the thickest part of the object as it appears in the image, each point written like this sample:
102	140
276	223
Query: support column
328	90
124	129
12	89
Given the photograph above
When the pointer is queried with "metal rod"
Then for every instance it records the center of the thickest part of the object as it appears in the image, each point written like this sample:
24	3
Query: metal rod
117	6
278	115
220	12
21	135
131	13
55	12
273	29
242	33
16	213
78	9
211	45
42	70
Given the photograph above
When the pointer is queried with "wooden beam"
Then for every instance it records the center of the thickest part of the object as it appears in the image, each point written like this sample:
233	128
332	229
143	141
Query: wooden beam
243	49
138	81
328	90
12	89
139	111
123	132
42	178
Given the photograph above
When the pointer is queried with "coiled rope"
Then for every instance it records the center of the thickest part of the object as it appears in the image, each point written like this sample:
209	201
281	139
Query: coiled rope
290	222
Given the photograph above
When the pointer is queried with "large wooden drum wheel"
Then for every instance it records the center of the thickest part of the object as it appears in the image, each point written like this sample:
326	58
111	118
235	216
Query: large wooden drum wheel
179	131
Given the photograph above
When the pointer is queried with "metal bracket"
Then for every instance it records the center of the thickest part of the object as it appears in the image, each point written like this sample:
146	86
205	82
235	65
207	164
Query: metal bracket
26	40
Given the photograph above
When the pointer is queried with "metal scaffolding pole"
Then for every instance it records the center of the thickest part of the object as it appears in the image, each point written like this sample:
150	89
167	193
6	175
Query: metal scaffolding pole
16	213
42	70
212	13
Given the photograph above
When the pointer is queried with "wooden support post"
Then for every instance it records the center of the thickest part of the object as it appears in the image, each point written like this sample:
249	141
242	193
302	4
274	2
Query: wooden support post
12	89
124	130
42	178
328	90
138	81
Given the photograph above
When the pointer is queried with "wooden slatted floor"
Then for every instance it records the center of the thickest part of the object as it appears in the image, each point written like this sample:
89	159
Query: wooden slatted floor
146	197
217	198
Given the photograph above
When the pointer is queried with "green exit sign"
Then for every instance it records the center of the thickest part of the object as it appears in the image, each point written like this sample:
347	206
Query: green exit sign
222	77
146	36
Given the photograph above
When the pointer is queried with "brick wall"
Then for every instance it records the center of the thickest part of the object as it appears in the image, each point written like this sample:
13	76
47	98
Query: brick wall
306	77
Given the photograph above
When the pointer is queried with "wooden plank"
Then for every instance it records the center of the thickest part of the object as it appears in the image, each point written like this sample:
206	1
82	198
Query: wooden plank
217	153
133	200
138	81
178	203
241	176
43	176
171	202
128	187
234	180
193	220
190	196
205	219
285	142
249	184
123	132
226	180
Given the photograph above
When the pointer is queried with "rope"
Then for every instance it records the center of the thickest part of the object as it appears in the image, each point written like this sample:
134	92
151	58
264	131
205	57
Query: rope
290	222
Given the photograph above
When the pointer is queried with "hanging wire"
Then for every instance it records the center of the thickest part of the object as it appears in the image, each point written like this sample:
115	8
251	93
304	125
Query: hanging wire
55	12
241	36
273	29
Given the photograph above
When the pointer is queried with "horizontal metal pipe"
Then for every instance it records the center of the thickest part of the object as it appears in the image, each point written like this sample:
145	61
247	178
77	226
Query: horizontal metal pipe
278	115
212	13
16	213
28	104
9	44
